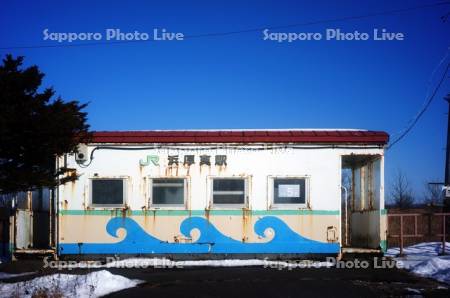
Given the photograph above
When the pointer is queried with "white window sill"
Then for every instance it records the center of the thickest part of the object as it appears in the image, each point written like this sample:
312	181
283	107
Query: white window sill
289	207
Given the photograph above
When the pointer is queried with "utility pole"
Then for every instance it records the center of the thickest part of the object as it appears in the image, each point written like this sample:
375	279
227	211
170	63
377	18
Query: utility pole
447	160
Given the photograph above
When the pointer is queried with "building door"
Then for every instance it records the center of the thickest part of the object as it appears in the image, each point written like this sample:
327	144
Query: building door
362	179
32	220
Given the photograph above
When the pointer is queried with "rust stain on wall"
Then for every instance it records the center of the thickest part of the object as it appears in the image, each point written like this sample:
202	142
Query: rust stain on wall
187	168
72	188
221	169
246	223
207	211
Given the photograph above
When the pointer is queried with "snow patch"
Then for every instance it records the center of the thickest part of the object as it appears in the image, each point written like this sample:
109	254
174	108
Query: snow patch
436	267
5	275
166	263
94	284
424	260
420	249
413	290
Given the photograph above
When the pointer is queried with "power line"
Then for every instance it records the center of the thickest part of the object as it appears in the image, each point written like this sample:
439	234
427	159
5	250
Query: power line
429	89
217	34
349	18
422	111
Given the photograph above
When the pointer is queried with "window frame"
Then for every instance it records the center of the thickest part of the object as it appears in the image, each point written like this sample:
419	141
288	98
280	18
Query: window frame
183	206
229	206
271	192
112	206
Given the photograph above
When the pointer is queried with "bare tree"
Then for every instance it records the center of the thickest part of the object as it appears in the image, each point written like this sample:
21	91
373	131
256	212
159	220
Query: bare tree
433	194
401	193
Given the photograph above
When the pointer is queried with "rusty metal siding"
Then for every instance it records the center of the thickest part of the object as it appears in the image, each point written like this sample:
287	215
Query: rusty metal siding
28	221
24	229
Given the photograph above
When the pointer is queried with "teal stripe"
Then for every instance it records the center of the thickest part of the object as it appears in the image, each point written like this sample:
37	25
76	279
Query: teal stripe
120	212
383	211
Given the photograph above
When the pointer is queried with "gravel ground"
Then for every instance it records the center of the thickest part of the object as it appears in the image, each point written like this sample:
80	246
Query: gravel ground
258	281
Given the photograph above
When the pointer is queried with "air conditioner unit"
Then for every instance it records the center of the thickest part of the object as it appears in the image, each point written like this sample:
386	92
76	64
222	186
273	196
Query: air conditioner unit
447	191
82	153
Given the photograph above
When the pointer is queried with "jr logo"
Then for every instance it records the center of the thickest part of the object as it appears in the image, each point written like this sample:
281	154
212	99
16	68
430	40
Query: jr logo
154	159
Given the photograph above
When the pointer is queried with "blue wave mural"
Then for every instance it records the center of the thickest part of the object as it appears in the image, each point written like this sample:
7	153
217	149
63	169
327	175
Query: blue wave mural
211	240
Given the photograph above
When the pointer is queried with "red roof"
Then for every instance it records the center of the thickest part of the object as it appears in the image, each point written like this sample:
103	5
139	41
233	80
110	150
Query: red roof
244	136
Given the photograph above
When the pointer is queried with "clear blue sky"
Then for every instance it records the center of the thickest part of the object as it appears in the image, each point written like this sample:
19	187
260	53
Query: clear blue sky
242	81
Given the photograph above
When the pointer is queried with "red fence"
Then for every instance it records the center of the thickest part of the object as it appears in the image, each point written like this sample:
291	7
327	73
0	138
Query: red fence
410	228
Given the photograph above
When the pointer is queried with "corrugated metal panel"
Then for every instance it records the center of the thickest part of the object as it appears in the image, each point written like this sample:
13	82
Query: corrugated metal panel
24	229
257	136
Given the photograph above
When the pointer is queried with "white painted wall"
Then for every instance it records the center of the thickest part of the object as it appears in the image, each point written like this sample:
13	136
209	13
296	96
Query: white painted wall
321	166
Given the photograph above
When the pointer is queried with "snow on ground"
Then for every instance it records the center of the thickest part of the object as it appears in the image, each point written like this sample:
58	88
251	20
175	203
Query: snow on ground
424	260
155	262
4	275
166	263
94	284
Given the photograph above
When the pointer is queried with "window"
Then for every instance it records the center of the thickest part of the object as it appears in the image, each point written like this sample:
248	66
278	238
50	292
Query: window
168	192
108	192
288	191
229	191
